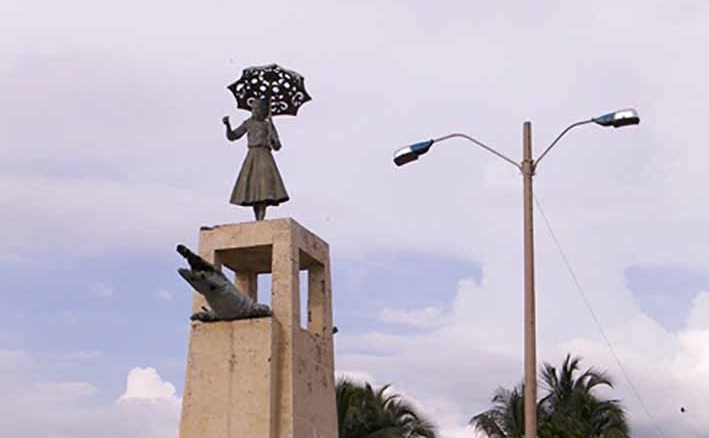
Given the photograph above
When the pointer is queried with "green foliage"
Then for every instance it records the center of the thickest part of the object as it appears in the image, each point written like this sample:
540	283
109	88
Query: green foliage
363	412
569	409
506	417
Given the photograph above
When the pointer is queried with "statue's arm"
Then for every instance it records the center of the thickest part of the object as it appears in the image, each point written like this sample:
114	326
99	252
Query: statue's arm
275	140
234	134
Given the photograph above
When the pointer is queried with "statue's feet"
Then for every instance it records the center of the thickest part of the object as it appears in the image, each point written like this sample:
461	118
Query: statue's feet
260	211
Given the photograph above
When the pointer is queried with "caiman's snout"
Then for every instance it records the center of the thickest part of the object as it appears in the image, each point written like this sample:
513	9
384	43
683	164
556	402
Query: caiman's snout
196	262
190	275
185	273
182	249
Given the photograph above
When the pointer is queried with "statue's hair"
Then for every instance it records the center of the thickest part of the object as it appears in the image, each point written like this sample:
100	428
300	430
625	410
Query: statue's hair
262	102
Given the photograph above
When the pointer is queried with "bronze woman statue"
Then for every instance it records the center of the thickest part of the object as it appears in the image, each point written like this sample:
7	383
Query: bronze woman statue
259	183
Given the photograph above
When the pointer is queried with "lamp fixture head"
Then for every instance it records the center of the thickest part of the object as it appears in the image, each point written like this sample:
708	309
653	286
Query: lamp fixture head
619	118
411	153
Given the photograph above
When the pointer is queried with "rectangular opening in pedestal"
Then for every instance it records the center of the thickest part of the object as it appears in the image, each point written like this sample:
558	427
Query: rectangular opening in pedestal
264	289
256	286
255	259
250	270
304	317
314	296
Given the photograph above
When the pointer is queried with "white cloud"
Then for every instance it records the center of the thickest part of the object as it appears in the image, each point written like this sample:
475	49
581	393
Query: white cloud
699	315
34	408
101	290
165	295
13	361
83	355
454	369
357	376
175	123
59	392
425	317
146	384
14	258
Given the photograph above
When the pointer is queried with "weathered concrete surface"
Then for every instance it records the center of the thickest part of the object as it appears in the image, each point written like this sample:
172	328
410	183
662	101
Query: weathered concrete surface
230	380
228	383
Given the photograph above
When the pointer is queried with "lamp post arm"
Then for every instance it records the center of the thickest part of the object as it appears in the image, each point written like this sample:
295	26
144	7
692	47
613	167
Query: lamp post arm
556	140
482	145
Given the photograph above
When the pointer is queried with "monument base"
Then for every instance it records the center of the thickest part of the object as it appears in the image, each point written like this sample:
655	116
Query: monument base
230	375
266	377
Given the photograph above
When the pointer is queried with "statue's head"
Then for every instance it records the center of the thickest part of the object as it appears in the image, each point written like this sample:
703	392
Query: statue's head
260	109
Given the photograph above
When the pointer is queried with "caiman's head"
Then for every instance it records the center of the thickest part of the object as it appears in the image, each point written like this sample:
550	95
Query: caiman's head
202	275
196	262
183	250
204	282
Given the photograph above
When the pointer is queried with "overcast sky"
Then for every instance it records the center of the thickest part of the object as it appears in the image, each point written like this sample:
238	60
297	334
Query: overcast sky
112	151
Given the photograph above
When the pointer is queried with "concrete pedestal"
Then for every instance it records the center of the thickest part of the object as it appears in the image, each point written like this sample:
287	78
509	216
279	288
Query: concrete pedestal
265	377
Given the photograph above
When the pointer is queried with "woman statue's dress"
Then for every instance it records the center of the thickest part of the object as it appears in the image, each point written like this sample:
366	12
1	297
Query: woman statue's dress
259	180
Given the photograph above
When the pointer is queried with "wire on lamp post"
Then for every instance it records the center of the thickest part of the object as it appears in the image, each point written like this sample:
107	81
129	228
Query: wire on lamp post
528	166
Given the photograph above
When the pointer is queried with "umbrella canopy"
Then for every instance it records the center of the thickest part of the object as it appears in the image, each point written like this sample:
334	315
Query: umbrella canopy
285	89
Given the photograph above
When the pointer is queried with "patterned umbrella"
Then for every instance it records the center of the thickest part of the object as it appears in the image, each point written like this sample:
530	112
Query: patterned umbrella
285	89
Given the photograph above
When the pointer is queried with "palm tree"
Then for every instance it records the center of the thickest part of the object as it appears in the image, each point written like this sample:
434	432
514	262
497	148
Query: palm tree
569	408
506	417
571	404
363	412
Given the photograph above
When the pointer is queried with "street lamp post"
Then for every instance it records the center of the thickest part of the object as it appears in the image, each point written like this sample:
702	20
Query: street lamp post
530	324
527	167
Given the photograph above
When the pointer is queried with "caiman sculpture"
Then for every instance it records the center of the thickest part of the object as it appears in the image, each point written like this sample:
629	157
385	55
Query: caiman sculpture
226	302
